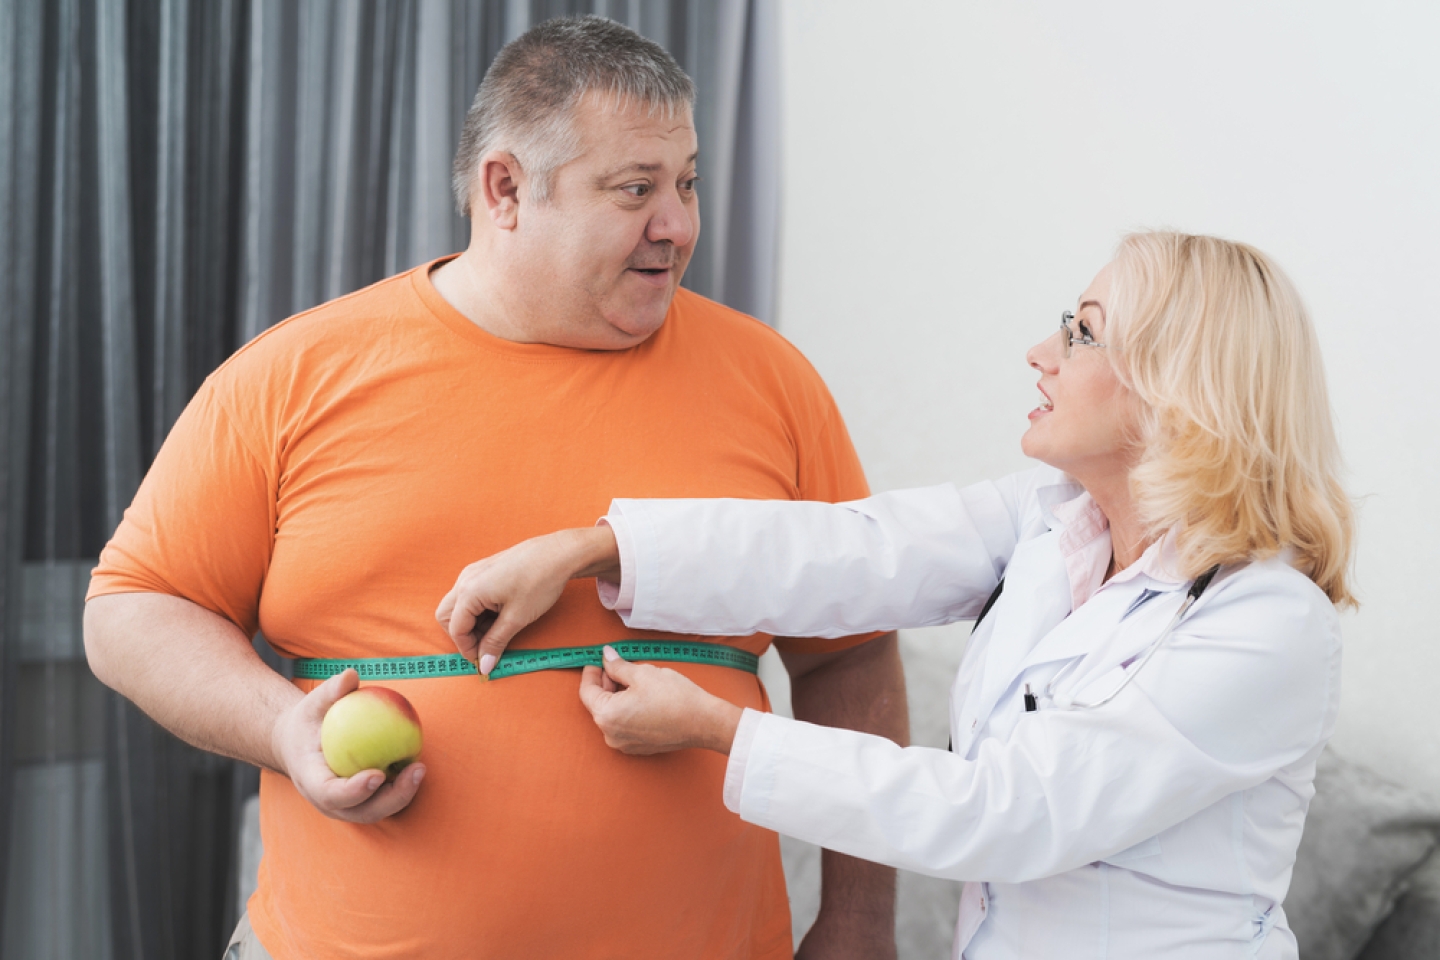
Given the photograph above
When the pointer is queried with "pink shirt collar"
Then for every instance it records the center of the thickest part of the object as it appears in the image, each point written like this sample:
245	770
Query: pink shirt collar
1085	546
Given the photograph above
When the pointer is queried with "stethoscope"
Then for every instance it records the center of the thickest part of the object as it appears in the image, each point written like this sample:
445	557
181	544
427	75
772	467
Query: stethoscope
1066	701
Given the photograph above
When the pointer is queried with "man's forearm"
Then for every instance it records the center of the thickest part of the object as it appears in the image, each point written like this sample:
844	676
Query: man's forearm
859	689
192	671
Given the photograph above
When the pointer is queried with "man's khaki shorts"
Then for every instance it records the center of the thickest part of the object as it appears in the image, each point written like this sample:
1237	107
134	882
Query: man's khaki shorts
244	945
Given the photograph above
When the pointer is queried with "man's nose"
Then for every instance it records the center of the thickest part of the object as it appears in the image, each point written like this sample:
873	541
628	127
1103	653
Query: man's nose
673	220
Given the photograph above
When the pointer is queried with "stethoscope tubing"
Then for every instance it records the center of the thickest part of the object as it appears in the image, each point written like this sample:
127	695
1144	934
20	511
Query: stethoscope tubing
1065	702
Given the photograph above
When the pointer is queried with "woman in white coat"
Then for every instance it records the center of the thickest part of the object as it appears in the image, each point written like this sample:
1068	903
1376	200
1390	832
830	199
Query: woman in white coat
1136	720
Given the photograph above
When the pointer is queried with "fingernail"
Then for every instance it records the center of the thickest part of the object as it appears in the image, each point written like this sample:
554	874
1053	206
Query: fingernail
487	663
374	783
610	653
419	775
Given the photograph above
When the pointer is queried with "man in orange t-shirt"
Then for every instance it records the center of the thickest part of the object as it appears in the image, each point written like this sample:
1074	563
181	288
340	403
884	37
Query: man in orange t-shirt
330	480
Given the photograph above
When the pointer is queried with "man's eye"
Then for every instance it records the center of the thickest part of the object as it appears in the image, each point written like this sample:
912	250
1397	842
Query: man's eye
689	185
637	189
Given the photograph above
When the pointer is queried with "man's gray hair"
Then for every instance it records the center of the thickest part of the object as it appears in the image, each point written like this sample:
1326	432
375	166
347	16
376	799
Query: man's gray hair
527	100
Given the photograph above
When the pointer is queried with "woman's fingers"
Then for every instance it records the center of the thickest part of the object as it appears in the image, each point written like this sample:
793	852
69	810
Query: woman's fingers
506	624
592	690
495	598
465	612
643	709
618	670
619	711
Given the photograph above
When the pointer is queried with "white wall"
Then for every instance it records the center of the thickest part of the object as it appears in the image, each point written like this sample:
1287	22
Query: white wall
955	173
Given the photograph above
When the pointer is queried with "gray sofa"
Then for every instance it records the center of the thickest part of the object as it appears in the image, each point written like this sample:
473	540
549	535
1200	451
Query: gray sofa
1367	876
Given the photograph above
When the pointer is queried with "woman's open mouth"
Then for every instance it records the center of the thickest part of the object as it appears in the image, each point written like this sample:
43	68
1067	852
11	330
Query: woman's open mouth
1045	406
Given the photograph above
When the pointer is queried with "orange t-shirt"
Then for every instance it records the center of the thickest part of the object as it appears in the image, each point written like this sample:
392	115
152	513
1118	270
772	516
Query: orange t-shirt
329	482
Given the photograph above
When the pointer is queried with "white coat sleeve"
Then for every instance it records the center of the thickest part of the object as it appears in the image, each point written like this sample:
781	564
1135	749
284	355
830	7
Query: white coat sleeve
908	558
1260	670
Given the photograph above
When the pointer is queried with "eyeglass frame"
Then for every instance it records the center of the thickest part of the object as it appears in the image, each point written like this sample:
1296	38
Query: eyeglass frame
1069	340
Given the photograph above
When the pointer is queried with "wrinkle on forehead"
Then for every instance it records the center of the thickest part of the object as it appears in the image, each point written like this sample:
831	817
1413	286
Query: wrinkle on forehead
600	116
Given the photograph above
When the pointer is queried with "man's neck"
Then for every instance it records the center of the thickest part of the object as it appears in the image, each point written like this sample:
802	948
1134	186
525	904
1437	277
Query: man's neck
462	284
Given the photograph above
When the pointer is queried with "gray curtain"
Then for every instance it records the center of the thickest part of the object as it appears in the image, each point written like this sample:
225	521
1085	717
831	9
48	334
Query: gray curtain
176	176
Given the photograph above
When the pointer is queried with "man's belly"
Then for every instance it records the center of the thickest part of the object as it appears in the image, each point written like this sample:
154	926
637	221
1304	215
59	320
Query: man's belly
529	837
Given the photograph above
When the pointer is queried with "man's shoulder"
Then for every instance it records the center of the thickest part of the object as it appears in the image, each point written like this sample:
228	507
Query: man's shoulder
697	306
729	329
337	323
318	352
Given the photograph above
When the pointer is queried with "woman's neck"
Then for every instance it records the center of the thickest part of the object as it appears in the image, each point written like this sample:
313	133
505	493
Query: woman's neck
1129	537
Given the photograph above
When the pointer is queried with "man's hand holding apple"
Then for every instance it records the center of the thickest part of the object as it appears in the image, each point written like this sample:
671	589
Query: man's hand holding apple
362	798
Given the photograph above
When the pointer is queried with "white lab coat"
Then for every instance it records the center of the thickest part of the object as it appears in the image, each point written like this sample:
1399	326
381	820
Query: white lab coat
1163	823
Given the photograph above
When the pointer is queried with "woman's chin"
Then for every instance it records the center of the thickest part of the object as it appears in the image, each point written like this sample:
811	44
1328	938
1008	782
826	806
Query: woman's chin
1036	449
1031	445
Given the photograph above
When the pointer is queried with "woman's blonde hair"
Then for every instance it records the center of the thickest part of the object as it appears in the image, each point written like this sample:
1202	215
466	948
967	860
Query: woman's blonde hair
1240	452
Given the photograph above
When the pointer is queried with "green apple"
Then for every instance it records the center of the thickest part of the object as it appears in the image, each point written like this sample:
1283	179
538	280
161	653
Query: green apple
373	728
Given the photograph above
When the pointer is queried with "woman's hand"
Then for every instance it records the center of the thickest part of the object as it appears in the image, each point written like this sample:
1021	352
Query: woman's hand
643	709
495	598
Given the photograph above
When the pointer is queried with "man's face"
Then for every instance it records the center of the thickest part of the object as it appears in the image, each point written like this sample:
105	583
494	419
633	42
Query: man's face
605	254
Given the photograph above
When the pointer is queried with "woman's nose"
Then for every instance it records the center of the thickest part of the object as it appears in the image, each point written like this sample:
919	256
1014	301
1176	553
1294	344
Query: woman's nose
1045	355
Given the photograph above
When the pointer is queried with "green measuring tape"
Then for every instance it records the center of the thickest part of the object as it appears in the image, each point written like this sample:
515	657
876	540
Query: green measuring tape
515	662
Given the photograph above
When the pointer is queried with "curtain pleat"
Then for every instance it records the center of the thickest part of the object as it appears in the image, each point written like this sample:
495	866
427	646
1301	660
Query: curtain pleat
19	150
176	176
749	248
270	201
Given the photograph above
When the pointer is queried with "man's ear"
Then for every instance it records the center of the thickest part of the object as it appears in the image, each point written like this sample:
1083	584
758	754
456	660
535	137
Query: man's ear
498	186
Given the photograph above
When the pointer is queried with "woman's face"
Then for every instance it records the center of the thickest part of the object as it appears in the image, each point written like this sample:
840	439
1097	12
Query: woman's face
1087	422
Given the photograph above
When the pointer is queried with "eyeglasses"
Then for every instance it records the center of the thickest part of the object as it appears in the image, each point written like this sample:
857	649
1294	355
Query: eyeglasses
1068	338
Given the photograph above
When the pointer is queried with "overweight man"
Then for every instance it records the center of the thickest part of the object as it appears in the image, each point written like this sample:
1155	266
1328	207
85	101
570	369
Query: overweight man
327	484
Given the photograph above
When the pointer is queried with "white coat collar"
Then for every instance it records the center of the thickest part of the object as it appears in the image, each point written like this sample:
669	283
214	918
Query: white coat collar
1050	496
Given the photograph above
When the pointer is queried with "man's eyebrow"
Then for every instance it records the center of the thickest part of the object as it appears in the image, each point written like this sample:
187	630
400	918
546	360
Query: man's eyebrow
610	175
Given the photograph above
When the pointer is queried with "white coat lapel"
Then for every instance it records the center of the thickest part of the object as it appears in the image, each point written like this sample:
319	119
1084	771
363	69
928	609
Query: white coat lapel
1035	600
1117	623
1101	632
